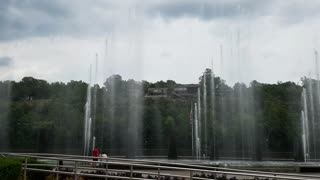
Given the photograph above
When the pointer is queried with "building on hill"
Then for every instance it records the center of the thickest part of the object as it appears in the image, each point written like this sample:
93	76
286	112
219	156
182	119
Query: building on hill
185	90
157	92
180	90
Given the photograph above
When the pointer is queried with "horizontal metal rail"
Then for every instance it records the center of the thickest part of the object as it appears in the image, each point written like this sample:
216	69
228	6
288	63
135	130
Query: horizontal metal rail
156	166
236	170
184	165
253	172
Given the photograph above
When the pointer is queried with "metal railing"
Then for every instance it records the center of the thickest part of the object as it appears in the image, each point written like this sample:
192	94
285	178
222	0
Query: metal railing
136	169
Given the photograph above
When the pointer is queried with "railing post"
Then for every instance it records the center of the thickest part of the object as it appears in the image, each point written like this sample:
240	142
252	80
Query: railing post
214	175
25	169
75	170
191	174
158	171
57	170
131	171
106	171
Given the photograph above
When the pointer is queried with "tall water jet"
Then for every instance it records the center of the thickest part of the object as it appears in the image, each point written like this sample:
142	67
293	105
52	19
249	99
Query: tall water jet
318	104
304	137
213	116
318	75
87	119
309	89
305	125
95	91
192	130
205	148
241	98
103	102
196	127
111	108
240	109
135	109
199	118
135	89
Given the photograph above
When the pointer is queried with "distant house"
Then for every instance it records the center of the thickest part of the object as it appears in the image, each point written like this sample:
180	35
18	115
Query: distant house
185	90
180	90
157	92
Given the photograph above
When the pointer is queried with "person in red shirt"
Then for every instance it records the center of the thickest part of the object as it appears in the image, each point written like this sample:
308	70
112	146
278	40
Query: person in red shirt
95	153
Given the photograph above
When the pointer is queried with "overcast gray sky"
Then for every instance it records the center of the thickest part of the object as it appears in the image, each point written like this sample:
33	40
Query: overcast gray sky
57	40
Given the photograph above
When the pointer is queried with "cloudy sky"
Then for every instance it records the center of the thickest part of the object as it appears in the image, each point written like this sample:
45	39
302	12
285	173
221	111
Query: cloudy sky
58	40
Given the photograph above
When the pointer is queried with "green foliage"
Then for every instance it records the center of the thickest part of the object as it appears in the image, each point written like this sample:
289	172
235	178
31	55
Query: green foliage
46	117
10	168
37	175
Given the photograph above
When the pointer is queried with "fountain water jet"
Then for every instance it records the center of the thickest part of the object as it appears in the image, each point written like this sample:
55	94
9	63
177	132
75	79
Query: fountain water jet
317	74
95	91
199	121
196	127
318	91
87	119
304	137
305	125
309	90
205	148
213	115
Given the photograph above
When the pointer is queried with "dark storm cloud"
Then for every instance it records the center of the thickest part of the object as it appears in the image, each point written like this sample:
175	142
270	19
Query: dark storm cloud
42	18
209	10
51	8
285	12
24	18
299	11
5	61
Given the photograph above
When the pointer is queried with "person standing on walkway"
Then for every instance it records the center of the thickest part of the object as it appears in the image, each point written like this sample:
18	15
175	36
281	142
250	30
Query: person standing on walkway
95	154
104	159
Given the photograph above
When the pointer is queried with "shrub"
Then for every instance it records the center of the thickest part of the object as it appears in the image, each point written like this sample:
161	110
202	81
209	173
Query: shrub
34	175
37	175
10	168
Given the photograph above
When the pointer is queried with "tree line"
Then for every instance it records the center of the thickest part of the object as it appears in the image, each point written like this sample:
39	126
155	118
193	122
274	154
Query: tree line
248	121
